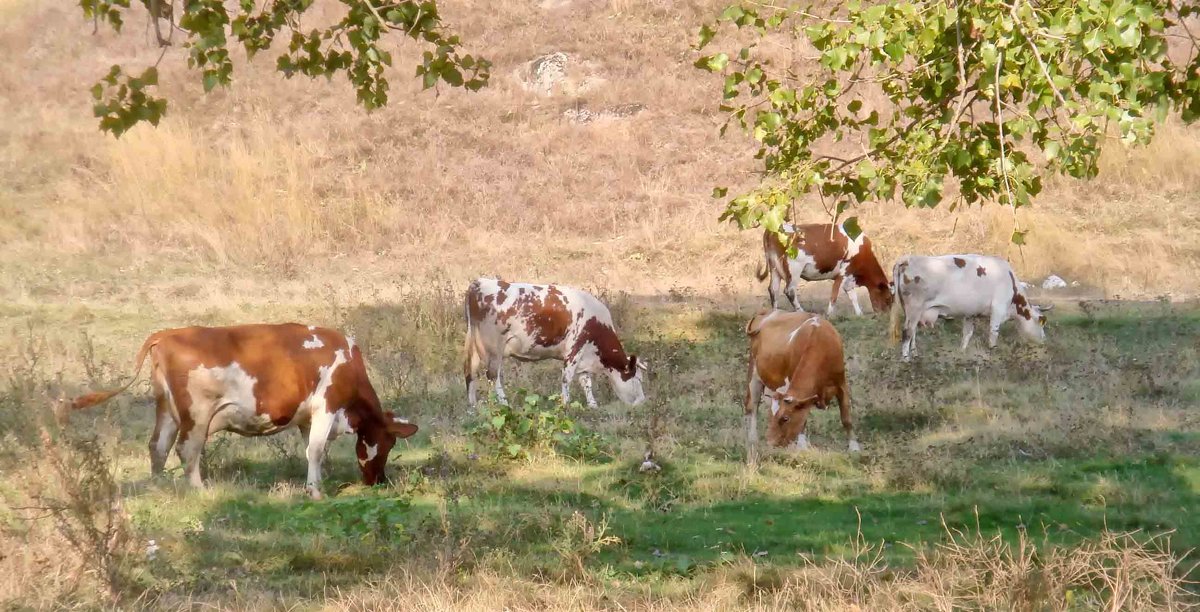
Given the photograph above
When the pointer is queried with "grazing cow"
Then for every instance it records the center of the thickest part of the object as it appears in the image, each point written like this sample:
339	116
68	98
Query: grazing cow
823	254
536	322
796	357
258	380
964	286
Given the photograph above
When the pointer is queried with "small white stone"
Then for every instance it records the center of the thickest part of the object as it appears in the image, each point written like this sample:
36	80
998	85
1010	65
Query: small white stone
1054	282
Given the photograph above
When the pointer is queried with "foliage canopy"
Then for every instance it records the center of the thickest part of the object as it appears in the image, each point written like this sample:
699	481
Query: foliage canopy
351	45
984	97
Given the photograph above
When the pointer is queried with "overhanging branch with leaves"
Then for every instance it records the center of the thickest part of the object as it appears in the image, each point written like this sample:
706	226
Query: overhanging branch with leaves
353	46
983	97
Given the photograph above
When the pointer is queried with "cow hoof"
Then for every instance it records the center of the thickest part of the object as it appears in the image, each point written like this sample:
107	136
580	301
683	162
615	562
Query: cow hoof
854	447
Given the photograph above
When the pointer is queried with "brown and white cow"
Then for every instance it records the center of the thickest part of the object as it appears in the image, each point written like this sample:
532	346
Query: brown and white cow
259	380
823	253
535	322
966	286
796	358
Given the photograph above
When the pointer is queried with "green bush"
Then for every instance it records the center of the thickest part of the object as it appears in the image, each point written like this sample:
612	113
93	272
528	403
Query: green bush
532	425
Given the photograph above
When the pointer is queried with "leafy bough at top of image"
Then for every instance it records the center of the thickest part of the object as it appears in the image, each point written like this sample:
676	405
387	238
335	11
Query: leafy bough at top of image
352	46
983	99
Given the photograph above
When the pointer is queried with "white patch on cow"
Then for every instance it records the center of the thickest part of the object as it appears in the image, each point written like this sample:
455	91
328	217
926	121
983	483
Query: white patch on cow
792	336
801	443
317	400
372	451
312	328
787	384
234	406
852	246
397	419
341	424
854	447
788	228
322	424
313	343
349	345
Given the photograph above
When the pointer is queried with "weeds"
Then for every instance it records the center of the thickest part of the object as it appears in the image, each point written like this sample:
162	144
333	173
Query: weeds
579	541
84	502
532	425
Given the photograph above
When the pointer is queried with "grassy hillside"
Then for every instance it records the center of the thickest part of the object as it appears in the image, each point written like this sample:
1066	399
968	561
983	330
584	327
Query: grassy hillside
996	479
1047	449
280	175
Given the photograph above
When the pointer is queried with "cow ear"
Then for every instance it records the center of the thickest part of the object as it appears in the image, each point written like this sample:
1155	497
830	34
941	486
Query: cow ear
633	364
401	428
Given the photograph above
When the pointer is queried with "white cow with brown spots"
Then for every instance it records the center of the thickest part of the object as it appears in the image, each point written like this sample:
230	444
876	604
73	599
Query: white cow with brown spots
966	286
534	322
796	358
823	253
258	380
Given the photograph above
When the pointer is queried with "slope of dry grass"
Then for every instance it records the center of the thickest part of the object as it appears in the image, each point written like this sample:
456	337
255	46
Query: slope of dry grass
285	175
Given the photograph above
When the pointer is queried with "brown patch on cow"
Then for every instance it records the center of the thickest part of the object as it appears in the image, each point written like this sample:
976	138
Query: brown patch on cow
907	279
608	347
980	271
547	320
916	279
960	262
1018	300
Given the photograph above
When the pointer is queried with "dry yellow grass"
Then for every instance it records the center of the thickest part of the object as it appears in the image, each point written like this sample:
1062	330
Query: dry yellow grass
289	175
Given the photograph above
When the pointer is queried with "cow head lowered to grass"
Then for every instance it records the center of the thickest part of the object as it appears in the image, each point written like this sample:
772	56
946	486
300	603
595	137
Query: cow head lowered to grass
796	360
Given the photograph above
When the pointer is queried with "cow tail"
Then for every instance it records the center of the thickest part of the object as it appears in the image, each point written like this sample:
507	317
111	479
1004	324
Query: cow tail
761	271
471	356
82	402
755	323
898	303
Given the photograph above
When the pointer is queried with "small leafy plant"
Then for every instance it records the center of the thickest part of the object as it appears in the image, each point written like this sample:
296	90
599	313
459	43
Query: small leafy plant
532	425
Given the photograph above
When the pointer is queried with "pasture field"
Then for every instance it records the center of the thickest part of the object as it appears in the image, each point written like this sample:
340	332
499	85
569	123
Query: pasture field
1057	477
991	479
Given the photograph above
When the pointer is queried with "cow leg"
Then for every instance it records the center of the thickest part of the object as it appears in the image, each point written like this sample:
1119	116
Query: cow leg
585	381
493	373
320	428
837	286
849	287
166	430
908	345
469	370
999	314
754	390
968	331
567	376
843	398
790	291
773	287
192	437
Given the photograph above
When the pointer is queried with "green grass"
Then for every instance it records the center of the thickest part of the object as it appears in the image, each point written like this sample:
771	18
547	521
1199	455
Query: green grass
1094	430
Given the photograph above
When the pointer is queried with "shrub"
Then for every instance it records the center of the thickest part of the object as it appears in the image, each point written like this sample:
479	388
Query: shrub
532	425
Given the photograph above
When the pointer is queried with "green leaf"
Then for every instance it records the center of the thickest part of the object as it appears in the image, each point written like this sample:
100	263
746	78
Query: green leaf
1018	237
850	225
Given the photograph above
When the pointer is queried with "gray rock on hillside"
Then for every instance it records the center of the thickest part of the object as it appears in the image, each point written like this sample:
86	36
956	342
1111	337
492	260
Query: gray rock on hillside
557	72
582	114
1054	282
